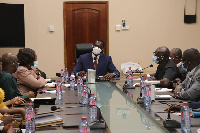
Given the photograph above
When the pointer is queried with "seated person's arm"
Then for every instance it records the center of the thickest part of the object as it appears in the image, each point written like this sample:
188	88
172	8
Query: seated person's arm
13	111
112	69
29	80
193	93
79	68
16	100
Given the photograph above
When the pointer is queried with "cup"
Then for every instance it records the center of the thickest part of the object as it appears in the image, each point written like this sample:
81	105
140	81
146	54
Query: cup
91	75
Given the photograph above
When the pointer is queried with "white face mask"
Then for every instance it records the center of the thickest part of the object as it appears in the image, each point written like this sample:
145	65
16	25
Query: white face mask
35	65
96	50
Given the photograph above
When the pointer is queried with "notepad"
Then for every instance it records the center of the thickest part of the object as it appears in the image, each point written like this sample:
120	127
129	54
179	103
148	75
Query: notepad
163	96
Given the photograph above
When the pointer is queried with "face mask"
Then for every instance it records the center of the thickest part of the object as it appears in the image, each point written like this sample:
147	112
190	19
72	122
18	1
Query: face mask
35	65
154	59
185	69
96	50
17	67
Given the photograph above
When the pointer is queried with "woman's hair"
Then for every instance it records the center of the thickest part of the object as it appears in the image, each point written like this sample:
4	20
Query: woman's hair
26	56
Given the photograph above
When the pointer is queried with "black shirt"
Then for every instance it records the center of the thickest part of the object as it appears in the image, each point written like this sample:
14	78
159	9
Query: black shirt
170	71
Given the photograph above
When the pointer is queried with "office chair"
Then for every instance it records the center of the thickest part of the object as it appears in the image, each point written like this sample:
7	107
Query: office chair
82	48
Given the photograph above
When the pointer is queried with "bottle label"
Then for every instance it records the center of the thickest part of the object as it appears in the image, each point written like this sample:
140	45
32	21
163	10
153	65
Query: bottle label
130	78
61	74
58	88
85	95
92	102
31	116
83	130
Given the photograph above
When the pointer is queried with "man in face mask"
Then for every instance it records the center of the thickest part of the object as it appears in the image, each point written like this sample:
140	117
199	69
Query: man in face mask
97	60
8	82
189	89
167	69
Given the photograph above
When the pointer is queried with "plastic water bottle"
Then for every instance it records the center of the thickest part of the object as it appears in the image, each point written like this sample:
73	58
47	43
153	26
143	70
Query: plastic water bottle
79	84
84	99
147	95
130	77
59	94
86	77
142	88
84	127
185	118
93	108
61	76
30	119
72	81
66	75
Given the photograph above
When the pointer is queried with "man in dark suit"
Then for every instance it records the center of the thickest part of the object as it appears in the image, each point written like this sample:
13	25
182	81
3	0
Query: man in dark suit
97	60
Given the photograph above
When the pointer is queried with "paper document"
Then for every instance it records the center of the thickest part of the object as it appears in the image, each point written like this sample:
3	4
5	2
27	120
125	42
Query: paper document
163	96
51	92
32	99
68	85
47	80
162	89
53	84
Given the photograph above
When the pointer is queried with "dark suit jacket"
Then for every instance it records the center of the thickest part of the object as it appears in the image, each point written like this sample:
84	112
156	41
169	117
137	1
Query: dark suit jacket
104	65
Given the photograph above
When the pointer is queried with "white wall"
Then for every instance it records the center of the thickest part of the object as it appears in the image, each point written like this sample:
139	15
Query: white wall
152	24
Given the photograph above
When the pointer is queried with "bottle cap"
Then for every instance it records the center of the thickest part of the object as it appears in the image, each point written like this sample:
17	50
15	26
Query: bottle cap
58	80
185	103
148	85
84	86
29	104
61	69
92	94
84	118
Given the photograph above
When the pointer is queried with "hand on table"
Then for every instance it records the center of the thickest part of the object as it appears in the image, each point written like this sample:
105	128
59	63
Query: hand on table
7	119
30	94
174	107
178	82
109	76
81	73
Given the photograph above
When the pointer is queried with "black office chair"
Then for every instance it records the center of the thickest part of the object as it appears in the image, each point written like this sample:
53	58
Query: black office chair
82	48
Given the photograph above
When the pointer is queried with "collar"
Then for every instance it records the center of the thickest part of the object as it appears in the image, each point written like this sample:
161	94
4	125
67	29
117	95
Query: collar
180	63
97	57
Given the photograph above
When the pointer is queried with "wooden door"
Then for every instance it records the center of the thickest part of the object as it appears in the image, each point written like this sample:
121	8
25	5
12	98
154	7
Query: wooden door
84	22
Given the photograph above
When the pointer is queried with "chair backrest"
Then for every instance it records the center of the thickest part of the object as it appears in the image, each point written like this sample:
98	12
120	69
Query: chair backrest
82	48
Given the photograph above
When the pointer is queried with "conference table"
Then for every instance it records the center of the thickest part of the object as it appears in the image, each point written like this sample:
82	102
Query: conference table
119	110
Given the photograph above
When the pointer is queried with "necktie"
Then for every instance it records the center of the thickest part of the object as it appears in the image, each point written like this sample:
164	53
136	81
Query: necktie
95	63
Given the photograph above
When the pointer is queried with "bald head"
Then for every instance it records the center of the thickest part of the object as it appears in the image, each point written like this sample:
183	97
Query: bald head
176	55
191	55
191	58
9	62
164	51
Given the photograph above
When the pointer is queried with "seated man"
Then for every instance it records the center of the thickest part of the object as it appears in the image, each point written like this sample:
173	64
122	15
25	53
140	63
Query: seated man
189	89
97	60
8	82
176	55
167	69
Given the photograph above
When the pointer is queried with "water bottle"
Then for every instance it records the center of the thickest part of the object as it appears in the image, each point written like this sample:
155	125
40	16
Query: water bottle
130	77
59	94
147	95
79	84
61	76
185	118
84	127
72	81
30	119
66	75
84	99
93	108
142	88
86	77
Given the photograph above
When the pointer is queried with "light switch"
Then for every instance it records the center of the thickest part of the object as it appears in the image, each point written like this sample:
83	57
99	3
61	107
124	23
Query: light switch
51	28
118	27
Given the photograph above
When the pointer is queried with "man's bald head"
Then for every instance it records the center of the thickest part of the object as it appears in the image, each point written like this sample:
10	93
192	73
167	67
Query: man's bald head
163	51
176	55
9	62
191	58
191	55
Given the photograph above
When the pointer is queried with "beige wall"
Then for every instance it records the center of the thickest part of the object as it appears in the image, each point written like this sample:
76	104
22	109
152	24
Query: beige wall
152	23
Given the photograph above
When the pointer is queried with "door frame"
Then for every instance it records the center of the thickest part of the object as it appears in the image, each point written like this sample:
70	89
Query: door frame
65	25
